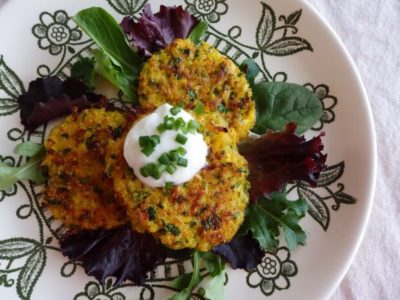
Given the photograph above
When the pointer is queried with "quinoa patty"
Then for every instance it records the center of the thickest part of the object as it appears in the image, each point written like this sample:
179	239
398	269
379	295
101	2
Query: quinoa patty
78	192
202	213
198	77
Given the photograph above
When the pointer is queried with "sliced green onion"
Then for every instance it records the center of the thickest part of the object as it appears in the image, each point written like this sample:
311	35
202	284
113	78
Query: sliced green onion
175	110
164	159
181	139
148	151
171	169
182	151
183	162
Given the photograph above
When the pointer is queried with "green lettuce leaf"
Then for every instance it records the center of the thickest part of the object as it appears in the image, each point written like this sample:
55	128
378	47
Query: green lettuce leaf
198	33
269	216
187	282
126	82
29	171
215	289
121	64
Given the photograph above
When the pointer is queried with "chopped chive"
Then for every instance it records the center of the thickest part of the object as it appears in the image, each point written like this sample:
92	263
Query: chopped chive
183	162
184	129
169	123
144	141
148	151
200	129
161	168
171	169
149	141
155	139
152	213
144	171
173	155
172	229
192	126
181	139
179	123
175	110
169	185
221	108
164	159
161	128
182	151
199	109
192	95
155	171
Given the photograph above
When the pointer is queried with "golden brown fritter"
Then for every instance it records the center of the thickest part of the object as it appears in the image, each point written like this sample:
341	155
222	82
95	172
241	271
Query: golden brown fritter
195	77
201	213
78	192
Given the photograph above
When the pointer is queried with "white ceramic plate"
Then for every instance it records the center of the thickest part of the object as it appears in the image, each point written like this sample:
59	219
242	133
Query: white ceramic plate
37	39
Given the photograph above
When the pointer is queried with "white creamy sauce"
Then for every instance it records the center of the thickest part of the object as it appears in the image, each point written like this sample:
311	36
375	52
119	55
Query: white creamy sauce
195	146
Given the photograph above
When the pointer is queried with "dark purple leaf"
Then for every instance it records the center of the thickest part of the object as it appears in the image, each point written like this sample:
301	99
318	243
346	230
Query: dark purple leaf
50	98
155	31
277	158
242	252
118	252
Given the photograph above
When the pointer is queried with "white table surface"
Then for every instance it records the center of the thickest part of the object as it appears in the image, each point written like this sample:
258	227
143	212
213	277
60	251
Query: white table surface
371	32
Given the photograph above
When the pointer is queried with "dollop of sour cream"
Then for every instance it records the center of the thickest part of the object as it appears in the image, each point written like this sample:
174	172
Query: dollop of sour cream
195	146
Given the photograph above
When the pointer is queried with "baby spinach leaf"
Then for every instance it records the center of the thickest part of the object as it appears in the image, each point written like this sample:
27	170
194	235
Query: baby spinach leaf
250	68
269	216
29	171
280	103
119	57
84	70
198	33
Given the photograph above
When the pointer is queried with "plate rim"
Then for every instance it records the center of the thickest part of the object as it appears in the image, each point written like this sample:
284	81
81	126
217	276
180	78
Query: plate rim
371	189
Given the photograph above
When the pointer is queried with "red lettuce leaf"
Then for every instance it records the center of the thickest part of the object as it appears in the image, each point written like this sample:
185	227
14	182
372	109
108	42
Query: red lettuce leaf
277	158
242	252
155	31
118	252
50	98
